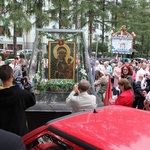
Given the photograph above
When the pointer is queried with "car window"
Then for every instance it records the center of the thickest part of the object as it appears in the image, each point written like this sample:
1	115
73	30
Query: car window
48	142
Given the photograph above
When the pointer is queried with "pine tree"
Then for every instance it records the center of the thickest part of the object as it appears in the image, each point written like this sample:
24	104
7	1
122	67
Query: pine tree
60	13
39	10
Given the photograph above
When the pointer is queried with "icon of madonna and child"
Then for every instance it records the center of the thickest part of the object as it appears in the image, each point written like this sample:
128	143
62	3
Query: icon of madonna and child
62	65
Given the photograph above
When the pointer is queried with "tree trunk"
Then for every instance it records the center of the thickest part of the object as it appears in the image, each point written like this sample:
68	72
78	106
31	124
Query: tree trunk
116	16
60	15
76	16
90	38
142	44
38	18
103	28
15	41
148	46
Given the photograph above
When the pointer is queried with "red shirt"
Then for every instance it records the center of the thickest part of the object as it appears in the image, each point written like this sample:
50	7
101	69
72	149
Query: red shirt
126	98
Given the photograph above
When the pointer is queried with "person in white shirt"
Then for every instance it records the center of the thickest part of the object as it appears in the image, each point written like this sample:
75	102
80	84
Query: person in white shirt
45	65
107	67
18	73
142	71
83	101
97	65
1	61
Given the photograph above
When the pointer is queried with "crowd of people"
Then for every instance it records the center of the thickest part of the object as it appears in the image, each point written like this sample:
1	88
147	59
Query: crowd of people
130	82
130	78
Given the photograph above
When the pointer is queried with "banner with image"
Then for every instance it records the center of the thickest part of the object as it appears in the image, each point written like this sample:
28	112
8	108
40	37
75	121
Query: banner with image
122	44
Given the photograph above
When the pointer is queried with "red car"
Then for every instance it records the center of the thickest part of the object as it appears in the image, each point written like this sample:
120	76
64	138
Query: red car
107	128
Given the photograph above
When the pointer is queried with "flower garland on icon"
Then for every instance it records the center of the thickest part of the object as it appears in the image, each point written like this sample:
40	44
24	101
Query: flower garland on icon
61	42
66	38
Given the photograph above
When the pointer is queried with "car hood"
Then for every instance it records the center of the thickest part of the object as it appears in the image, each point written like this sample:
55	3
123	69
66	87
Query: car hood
116	128
107	128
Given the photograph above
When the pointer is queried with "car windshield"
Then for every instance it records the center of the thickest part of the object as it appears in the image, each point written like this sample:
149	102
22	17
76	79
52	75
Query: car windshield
48	142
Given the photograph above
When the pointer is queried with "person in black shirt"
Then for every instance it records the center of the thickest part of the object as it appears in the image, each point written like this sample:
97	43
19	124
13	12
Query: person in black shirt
13	103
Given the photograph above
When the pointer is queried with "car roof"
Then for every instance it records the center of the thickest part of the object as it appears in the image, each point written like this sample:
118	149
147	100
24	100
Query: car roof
109	127
138	59
117	128
104	59
24	51
8	61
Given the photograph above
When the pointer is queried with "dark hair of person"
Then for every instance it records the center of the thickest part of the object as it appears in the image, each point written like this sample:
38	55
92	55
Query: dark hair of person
124	82
5	72
98	74
16	58
84	85
130	72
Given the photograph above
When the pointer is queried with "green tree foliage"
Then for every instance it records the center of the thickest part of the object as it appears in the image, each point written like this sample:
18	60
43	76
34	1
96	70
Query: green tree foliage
14	17
135	15
101	48
92	14
40	10
60	12
122	13
107	14
140	25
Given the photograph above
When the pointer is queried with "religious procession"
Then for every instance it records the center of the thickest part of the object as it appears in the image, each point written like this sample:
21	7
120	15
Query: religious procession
74	75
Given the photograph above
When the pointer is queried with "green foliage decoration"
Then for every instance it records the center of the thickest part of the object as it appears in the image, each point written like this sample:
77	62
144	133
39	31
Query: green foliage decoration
65	38
55	85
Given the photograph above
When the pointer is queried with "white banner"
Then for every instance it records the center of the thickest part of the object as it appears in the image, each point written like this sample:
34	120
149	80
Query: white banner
122	44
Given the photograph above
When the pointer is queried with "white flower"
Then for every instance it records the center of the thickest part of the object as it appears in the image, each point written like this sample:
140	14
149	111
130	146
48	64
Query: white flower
83	72
36	77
